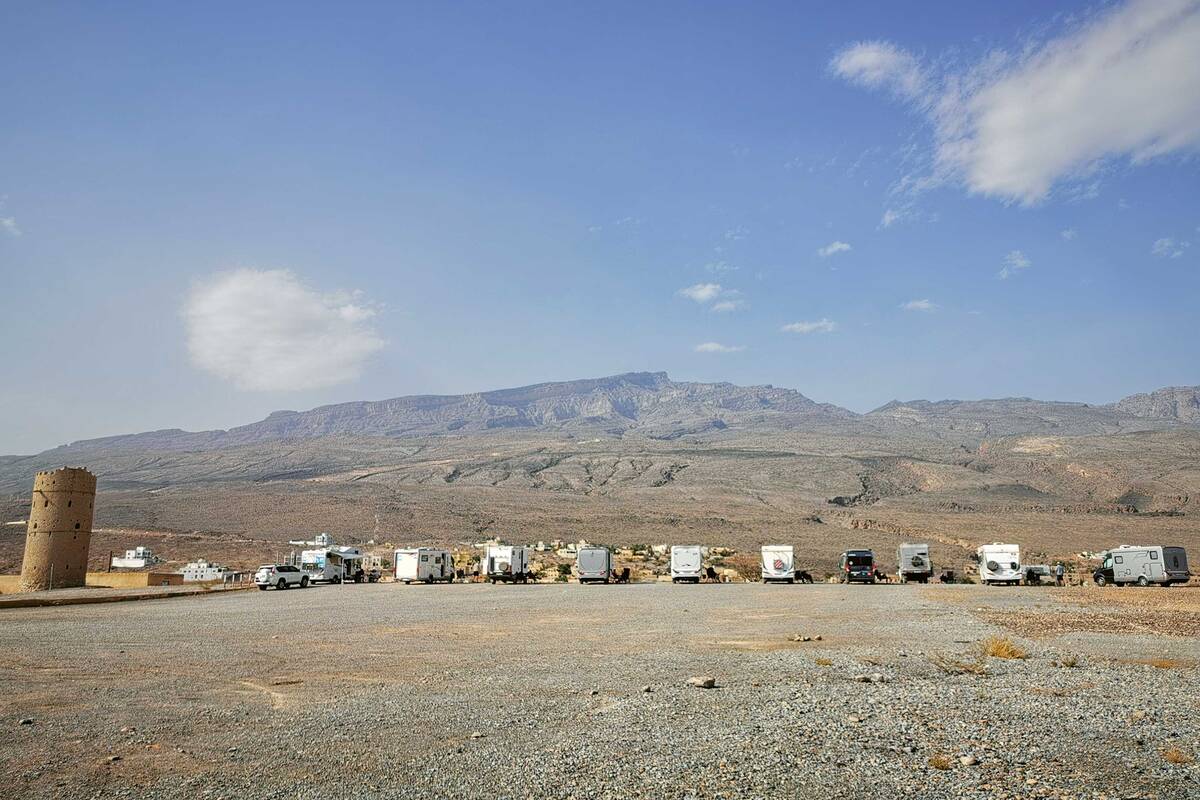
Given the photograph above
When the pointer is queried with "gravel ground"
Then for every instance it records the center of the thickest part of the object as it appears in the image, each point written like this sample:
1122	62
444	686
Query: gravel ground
570	691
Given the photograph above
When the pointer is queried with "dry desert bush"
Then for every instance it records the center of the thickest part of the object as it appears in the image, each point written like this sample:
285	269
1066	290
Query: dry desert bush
941	761
1174	755
1002	647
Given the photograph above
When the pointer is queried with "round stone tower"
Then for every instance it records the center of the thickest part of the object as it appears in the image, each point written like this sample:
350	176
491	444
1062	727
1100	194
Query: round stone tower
60	530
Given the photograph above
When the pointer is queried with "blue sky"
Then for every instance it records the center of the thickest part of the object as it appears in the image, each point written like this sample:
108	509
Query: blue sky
211	212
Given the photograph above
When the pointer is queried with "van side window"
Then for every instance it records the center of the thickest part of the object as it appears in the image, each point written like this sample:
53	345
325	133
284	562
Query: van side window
1120	559
1153	555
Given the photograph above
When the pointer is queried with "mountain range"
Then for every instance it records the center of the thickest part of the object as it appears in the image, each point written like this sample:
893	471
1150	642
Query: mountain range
639	457
651	404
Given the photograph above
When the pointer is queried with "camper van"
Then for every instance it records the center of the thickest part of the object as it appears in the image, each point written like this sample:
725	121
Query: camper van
913	563
999	563
593	564
686	563
424	564
778	563
333	564
1142	565
506	563
857	565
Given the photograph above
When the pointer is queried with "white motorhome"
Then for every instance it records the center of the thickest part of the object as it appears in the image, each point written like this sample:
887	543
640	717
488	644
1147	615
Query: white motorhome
687	563
913	563
423	564
333	564
1142	565
593	564
778	563
999	563
508	563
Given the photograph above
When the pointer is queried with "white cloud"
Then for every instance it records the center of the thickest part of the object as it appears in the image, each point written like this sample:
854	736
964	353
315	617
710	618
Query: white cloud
819	326
725	306
1122	84
1014	264
736	234
924	304
1167	247
264	330
833	248
9	226
702	292
717	347
881	65
890	218
1069	235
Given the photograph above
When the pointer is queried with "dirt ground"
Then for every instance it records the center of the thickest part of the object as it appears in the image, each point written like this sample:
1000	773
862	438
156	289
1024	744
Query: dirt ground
582	691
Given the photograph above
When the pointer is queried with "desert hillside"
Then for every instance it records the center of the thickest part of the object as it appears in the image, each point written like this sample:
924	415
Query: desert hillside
639	458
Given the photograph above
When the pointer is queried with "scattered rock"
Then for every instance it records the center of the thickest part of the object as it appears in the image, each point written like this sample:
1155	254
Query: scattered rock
128	729
26	721
113	759
703	682
594	692
647	689
874	677
968	760
476	735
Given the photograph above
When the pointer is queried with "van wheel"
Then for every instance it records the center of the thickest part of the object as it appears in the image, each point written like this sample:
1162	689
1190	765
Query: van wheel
1142	581
281	585
262	587
1101	580
304	582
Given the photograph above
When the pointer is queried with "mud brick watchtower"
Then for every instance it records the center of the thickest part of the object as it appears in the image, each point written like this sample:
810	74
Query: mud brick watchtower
60	530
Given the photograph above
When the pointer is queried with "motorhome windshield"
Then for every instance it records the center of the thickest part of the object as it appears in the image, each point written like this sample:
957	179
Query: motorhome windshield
859	560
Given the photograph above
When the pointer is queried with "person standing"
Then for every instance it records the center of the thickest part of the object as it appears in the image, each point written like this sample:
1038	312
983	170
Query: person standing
1058	574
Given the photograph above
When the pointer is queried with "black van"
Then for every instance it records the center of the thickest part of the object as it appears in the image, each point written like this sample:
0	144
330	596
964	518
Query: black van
857	565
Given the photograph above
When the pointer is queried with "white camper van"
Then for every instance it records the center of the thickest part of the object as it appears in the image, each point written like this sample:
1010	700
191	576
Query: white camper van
686	563
1142	565
333	564
778	563
913	563
999	563
424	564
507	563
593	564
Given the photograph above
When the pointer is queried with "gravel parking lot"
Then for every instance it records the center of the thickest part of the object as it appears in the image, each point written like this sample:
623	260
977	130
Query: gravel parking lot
582	691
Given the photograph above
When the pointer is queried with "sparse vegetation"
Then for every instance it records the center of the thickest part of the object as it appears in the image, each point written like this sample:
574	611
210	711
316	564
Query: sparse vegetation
1067	662
941	761
1173	755
824	662
1002	647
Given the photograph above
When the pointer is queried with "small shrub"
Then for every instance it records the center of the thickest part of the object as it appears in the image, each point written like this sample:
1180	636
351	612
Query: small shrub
1002	647
1068	662
824	662
941	761
1174	755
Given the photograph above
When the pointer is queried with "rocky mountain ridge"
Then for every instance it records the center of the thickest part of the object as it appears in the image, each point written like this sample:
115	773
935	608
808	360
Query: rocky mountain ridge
650	404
